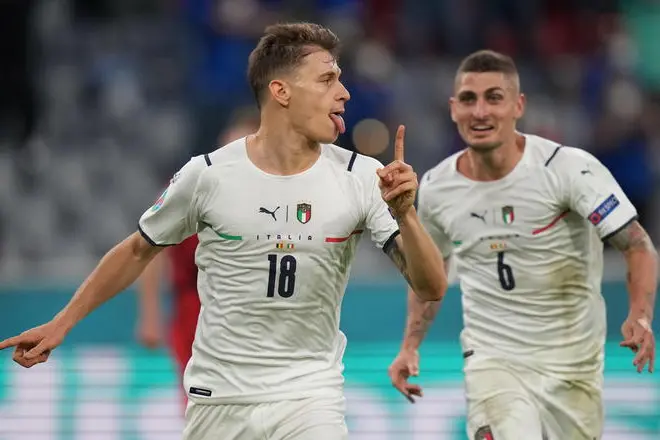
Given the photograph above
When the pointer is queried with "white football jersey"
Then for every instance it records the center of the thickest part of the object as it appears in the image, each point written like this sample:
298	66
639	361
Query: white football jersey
274	258
528	253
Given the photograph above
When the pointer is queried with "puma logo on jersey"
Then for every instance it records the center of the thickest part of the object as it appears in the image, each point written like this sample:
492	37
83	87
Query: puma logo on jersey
583	172
271	213
482	217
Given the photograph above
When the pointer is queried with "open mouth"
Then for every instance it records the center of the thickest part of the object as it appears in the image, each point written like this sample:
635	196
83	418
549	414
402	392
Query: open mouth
338	120
482	128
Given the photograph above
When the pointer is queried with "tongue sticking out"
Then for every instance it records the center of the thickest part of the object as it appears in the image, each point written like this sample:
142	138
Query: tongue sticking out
339	122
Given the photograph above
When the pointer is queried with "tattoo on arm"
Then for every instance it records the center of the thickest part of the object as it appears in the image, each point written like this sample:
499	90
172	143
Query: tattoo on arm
632	237
633	242
420	323
421	316
399	259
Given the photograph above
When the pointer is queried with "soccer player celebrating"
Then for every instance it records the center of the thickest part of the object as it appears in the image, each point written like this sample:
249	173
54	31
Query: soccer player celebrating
278	215
524	220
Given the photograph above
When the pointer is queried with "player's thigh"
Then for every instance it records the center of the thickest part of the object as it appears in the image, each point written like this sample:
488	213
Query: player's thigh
572	409
218	422
499	405
314	418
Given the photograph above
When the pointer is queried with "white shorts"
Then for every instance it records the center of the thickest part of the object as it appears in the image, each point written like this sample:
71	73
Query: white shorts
509	402
313	418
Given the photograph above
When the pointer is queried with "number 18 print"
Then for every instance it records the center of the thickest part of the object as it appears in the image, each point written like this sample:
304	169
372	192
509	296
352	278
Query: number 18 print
287	276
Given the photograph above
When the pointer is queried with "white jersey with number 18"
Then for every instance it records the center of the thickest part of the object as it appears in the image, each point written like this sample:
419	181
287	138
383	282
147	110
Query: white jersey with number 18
274	258
528	254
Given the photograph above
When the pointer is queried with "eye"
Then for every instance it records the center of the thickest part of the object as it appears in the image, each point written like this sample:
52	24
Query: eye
495	98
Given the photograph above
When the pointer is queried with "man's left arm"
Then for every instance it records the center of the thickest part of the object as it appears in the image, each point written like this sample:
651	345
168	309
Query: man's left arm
418	259
642	267
642	279
412	250
593	192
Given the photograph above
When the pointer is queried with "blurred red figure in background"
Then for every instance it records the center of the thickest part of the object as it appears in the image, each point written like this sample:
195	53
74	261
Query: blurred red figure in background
179	262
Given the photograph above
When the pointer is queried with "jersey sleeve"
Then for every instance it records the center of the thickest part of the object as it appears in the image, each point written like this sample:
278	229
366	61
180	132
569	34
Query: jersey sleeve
594	193
379	221
430	223
173	217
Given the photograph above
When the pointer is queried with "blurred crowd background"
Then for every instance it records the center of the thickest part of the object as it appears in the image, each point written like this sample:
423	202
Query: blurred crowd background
102	100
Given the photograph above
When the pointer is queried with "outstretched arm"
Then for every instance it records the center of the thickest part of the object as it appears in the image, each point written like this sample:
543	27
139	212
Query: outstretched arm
172	219
117	270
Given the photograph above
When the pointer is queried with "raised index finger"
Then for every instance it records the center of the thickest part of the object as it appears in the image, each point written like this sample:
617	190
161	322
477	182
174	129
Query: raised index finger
398	143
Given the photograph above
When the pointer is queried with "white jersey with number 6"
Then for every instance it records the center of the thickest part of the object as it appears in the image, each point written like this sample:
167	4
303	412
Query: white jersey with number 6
274	258
528	254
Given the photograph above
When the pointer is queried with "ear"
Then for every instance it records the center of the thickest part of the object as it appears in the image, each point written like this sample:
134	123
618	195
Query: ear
452	103
520	106
280	91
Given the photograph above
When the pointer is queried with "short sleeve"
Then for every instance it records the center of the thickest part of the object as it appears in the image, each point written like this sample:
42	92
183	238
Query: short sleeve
379	221
430	223
595	194
173	217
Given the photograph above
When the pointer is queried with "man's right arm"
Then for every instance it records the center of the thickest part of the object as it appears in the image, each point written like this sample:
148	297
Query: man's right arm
170	220
116	271
420	316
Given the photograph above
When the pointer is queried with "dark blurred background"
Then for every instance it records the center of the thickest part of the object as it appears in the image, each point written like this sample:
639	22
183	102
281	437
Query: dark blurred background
102	100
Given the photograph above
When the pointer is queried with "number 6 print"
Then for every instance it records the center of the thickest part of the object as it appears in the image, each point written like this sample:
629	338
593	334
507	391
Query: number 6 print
505	273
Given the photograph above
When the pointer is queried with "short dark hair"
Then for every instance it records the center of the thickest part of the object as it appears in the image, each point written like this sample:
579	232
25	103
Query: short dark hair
484	61
283	47
488	61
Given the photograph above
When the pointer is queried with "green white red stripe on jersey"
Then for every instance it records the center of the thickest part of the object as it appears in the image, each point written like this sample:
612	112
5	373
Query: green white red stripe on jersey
342	239
551	224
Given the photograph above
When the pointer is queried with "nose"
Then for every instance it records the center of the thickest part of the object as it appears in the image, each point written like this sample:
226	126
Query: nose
480	110
344	94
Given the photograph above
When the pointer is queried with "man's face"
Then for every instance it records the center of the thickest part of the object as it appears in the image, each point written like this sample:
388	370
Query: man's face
485	108
318	98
